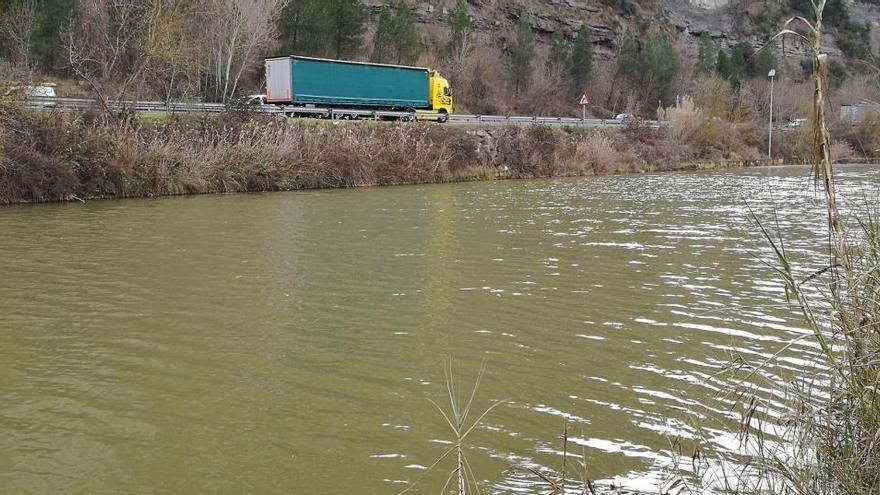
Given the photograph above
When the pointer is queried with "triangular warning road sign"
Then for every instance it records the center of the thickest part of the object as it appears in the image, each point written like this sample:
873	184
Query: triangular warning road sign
585	100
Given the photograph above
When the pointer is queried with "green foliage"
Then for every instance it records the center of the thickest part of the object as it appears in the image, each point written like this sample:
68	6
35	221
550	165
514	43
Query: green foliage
52	15
303	26
383	41
581	66
762	62
837	72
854	40
409	41
461	31
322	27
522	54
743	63
733	65
723	65
347	25
627	7
397	36
559	52
708	56
650	65
836	13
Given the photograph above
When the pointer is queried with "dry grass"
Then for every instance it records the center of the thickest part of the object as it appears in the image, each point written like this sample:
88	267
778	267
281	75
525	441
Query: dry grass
56	157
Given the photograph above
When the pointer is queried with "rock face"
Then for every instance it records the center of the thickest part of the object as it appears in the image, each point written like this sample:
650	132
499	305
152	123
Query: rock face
709	4
686	20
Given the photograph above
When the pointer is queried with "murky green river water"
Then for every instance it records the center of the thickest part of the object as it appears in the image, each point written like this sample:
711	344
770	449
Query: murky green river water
289	343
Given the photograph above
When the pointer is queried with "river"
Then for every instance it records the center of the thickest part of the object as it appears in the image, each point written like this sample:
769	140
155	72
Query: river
290	342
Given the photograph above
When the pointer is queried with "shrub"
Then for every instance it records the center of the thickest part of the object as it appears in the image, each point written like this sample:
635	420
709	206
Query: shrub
52	157
716	97
684	119
595	152
868	134
31	176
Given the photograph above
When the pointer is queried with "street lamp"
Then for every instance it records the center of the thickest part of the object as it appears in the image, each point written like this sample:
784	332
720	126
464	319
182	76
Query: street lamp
771	75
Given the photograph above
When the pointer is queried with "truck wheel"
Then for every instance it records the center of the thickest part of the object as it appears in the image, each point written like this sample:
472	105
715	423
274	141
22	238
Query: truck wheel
443	118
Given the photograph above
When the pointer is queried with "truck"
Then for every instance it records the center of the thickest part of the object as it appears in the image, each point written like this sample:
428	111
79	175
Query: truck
316	86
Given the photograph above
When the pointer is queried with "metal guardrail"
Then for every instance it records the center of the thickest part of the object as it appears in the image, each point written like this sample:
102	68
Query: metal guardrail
557	121
46	103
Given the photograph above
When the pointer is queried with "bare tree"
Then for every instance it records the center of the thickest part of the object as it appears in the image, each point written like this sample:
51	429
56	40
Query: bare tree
107	29
171	61
18	25
239	32
107	46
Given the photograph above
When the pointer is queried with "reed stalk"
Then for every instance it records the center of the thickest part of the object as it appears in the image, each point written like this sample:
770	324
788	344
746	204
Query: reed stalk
828	440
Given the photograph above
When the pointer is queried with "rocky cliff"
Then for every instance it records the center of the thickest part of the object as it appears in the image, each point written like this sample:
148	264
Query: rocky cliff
728	22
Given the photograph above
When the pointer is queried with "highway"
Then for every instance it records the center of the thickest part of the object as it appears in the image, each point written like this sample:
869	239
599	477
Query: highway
147	107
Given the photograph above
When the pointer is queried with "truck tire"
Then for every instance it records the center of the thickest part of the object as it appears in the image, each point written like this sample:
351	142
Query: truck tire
443	118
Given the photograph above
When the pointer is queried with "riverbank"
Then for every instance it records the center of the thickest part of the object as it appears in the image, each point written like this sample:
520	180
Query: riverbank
79	156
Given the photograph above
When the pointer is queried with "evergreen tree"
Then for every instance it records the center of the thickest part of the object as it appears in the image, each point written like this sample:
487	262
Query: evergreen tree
744	63
761	63
408	42
347	23
397	36
722	65
582	58
733	65
522	54
461	32
651	66
304	27
836	13
51	18
559	55
707	58
383	41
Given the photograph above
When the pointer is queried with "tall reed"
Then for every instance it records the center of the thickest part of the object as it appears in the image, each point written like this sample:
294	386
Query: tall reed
460	478
826	439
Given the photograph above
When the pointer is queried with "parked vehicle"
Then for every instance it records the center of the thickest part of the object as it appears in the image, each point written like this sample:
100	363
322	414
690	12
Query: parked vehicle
40	92
305	84
255	100
796	123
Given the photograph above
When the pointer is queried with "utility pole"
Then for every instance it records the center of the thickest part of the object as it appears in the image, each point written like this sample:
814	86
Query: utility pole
771	75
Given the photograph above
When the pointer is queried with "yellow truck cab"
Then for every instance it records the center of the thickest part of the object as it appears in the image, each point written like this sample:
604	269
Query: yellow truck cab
441	96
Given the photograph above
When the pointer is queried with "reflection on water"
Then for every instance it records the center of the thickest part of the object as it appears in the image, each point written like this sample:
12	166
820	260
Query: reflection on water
286	343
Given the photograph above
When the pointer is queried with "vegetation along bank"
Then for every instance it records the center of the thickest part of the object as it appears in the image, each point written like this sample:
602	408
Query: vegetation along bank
70	156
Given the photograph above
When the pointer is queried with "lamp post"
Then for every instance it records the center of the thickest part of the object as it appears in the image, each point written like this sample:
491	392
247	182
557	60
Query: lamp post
771	75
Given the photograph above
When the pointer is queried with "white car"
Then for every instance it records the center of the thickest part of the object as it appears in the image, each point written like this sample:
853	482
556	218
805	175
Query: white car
624	117
255	100
795	123
37	93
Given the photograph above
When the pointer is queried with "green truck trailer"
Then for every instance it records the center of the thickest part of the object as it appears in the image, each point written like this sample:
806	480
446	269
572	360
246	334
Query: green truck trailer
338	84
